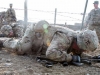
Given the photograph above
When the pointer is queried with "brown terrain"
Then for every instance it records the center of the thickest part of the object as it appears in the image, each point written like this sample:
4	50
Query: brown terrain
12	64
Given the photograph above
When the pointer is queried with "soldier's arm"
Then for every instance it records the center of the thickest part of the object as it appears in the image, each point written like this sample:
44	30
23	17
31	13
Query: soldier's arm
14	14
18	31
88	18
20	46
7	12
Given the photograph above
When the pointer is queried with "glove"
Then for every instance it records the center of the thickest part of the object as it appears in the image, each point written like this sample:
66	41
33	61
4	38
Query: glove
96	57
76	58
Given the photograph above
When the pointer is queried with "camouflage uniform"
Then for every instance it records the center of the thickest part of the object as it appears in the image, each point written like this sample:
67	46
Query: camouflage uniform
93	21
16	29
6	29
2	18
10	16
54	40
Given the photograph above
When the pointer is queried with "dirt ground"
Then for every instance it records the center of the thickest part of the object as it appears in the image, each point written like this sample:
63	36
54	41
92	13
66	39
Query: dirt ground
12	64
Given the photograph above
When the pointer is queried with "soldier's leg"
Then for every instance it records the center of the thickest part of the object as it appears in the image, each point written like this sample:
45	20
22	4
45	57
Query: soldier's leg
58	55
20	46
97	28
91	27
18	31
57	49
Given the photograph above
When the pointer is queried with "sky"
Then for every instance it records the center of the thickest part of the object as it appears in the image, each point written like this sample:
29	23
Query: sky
68	11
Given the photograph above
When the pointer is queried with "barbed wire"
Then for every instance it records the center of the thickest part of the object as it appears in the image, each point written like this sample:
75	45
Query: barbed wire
47	19
49	12
69	17
52	12
43	11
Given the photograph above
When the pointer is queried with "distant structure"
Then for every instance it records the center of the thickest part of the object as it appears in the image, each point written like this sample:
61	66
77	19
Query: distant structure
76	26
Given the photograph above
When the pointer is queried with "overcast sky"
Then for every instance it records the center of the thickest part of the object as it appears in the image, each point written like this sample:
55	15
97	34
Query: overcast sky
67	6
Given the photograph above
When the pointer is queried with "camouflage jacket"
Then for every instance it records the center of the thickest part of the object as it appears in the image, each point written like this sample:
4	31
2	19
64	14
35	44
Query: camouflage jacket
17	30
93	17
11	12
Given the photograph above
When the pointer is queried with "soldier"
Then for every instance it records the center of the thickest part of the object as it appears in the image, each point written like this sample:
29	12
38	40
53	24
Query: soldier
56	41
93	19
10	15
13	30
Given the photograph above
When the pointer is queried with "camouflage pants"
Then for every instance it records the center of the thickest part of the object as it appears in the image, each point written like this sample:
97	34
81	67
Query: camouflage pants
18	31
97	28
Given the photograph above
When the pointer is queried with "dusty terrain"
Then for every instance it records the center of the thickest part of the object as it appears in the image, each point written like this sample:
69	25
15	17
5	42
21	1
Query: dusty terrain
12	64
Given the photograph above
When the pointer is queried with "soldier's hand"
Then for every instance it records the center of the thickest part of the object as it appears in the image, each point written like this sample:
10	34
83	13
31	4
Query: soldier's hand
75	58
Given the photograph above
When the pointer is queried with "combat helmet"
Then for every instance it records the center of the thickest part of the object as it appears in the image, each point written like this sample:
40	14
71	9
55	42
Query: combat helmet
87	40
